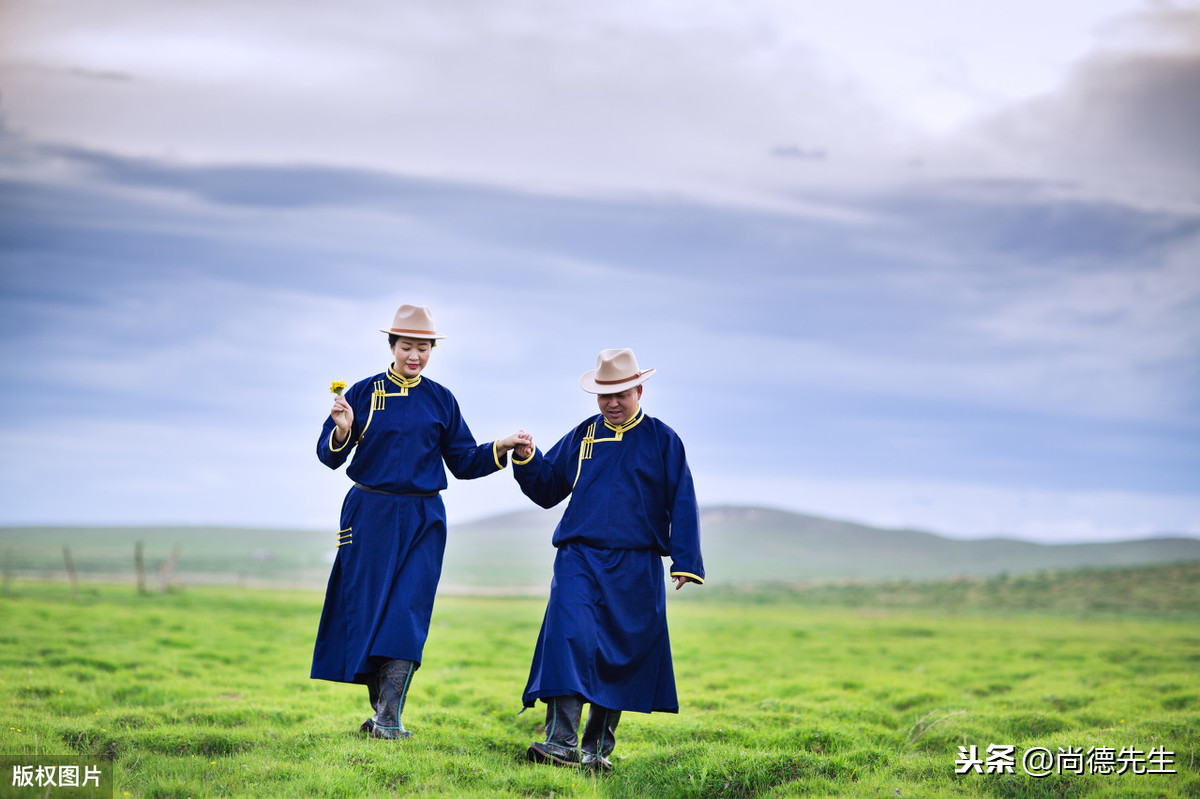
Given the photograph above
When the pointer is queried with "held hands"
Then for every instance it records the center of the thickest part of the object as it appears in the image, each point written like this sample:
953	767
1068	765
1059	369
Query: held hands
343	418
520	441
524	449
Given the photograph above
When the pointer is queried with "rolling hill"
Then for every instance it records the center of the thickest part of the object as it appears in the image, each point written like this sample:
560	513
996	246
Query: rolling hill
512	553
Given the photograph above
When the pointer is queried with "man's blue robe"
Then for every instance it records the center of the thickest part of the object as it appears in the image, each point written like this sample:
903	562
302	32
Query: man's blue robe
604	635
392	534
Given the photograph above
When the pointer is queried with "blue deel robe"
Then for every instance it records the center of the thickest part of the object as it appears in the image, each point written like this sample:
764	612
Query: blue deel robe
390	547
604	635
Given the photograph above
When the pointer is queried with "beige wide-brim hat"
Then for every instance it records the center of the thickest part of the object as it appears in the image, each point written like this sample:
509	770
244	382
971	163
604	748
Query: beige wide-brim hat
616	371
413	321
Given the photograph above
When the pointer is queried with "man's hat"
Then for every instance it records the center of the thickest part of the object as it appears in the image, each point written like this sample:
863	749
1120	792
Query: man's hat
616	370
413	321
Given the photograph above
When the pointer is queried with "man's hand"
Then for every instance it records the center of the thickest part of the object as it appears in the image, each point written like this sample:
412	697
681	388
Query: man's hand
520	442
682	580
523	450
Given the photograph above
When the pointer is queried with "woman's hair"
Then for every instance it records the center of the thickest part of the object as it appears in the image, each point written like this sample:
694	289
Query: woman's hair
393	338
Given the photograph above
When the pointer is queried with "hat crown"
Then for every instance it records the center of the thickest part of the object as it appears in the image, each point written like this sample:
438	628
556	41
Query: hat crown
616	366
415	321
616	370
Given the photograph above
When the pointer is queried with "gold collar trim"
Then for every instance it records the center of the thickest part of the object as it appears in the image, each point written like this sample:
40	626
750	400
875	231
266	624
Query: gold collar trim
401	380
638	416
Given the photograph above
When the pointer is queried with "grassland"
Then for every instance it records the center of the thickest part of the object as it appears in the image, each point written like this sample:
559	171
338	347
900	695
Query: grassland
205	692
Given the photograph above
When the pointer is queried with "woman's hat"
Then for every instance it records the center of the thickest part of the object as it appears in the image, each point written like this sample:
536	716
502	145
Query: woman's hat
413	321
616	370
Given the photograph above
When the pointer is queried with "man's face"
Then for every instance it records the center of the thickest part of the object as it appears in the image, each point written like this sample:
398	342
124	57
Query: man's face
411	355
619	408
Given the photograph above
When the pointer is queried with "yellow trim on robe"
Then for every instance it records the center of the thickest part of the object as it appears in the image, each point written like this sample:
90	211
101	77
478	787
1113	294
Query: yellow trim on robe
497	456
345	443
405	383
688	574
638	416
527	460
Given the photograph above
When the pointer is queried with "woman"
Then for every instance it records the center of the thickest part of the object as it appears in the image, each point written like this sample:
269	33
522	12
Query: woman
401	427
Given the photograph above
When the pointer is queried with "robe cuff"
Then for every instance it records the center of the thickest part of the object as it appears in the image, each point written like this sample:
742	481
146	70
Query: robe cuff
527	460
695	577
345	444
501	459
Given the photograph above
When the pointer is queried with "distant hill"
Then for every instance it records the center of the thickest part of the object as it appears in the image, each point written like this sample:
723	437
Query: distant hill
763	545
512	552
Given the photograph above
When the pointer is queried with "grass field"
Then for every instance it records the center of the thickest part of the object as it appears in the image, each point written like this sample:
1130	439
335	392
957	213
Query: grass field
205	692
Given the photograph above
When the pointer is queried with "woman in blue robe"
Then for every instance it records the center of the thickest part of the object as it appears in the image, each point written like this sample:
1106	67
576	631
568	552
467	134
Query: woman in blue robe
401	427
632	502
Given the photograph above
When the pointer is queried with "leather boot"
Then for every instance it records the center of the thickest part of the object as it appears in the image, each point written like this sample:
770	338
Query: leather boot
561	747
394	679
599	737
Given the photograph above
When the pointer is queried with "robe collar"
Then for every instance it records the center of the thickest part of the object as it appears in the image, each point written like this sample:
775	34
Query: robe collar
638	416
401	380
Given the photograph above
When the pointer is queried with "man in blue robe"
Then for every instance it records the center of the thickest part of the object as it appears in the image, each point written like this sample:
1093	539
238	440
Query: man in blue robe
604	636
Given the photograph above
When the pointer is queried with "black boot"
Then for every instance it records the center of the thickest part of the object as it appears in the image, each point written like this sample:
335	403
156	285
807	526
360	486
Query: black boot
561	746
393	680
599	737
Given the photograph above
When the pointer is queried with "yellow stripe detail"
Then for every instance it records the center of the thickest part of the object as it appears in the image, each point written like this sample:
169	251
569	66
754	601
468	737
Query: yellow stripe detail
689	574
527	460
585	451
496	456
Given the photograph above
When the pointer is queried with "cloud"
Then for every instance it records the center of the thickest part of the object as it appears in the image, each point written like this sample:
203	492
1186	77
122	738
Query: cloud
1127	116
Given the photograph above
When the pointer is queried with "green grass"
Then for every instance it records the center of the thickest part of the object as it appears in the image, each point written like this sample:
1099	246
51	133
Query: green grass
205	692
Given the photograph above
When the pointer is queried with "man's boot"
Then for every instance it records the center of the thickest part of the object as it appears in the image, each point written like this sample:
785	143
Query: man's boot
394	679
561	746
599	737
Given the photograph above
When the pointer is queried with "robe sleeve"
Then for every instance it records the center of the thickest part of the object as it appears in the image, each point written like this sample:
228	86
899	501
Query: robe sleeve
330	454
683	512
548	479
466	459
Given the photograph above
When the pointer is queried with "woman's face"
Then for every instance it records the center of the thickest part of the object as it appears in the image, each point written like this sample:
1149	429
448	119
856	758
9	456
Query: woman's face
619	408
411	355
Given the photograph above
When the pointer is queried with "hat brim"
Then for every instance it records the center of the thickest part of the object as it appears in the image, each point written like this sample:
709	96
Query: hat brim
411	334
587	381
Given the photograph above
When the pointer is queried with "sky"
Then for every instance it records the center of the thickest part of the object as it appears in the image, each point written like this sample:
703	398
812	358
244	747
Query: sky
911	265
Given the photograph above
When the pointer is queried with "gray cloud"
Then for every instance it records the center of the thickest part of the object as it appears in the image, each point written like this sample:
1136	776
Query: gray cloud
1129	114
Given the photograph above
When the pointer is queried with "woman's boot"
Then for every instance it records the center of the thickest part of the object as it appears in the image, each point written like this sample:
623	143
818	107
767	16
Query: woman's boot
394	679
561	746
599	737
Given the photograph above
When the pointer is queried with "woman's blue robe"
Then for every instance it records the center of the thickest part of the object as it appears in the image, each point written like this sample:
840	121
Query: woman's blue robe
391	538
604	635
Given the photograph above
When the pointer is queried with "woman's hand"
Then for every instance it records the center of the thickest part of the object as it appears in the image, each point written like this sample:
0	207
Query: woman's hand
681	581
343	418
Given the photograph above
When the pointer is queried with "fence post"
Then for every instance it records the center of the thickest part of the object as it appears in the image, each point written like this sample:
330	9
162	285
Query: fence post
71	571
139	562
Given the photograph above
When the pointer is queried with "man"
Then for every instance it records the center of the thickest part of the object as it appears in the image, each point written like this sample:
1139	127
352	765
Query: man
604	636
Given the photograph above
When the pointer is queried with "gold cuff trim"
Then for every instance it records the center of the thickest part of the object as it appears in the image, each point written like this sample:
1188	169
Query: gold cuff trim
345	443
527	460
695	577
497	456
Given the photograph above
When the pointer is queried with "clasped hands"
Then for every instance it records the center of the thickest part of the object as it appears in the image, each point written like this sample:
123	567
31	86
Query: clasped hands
520	442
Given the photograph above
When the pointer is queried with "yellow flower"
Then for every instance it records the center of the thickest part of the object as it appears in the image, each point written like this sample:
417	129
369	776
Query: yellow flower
337	387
